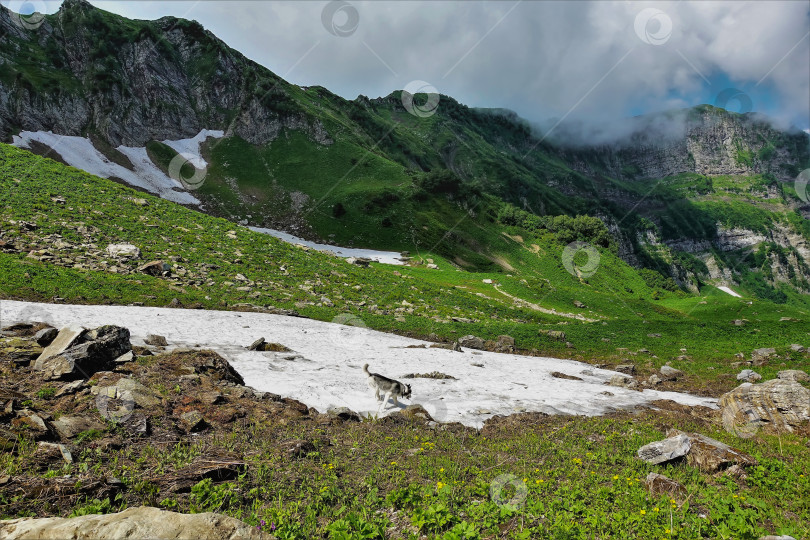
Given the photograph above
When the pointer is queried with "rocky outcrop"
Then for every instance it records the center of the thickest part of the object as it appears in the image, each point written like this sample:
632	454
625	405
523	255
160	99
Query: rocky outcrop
89	352
703	452
776	405
137	522
147	86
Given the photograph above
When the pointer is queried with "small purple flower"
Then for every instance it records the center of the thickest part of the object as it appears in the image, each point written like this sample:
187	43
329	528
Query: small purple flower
272	527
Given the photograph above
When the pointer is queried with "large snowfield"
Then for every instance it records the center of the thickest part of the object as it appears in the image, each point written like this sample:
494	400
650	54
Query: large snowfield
326	368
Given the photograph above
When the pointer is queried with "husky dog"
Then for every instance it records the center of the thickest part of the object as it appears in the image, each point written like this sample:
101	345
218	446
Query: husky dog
389	387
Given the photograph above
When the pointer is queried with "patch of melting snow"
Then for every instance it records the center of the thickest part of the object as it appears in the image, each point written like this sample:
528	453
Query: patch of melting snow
79	152
326	368
729	291
387	257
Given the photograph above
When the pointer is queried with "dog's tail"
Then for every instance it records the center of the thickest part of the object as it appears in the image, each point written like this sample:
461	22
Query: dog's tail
365	369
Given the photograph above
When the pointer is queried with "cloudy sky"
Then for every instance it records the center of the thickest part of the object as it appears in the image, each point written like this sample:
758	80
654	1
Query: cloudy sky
578	60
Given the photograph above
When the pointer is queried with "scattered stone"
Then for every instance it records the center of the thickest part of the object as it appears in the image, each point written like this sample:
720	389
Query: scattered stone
46	336
154	268
50	452
505	344
298	448
70	388
123	250
622	381
778	405
579	304
415	412
711	455
797	348
627	369
156	340
654	380
193	421
471	342
344	413
654	335
449	346
670	373
793	375
667	450
431	375
128	356
359	261
68	427
772	537
558	375
257	345
96	351
762	355
133	523
748	375
130	391
31	423
212	398
19	351
658	484
735	471
64	339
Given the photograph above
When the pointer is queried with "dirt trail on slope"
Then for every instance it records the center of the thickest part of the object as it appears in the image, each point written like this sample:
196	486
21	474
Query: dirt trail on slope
541	309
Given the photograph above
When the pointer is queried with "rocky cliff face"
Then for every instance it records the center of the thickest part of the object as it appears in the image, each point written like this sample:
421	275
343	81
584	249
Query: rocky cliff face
704	140
166	79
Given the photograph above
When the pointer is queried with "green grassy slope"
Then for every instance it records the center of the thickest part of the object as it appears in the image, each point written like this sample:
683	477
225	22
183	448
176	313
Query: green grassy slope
621	308
367	187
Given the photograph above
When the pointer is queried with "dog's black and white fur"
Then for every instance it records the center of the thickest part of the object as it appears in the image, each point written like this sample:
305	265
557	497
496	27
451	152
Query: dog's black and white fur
389	387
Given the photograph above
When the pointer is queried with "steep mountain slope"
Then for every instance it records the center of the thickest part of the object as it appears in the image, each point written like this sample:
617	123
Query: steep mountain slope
702	196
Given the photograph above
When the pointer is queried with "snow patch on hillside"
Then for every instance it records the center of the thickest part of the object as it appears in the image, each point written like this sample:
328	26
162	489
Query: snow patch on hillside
387	257
326	368
190	148
729	291
79	152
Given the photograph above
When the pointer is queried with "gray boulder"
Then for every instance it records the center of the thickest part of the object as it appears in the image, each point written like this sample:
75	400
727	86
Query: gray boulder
793	375
471	342
45	336
666	450
133	523
670	373
156	340
748	375
68	427
776	405
95	350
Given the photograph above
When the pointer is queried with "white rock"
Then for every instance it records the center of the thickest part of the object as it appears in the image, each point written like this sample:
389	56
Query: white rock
123	250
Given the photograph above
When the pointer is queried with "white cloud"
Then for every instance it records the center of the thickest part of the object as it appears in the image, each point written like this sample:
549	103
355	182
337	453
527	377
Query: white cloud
542	59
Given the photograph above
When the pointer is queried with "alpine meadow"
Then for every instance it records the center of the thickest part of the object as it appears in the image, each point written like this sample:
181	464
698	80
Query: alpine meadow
560	291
